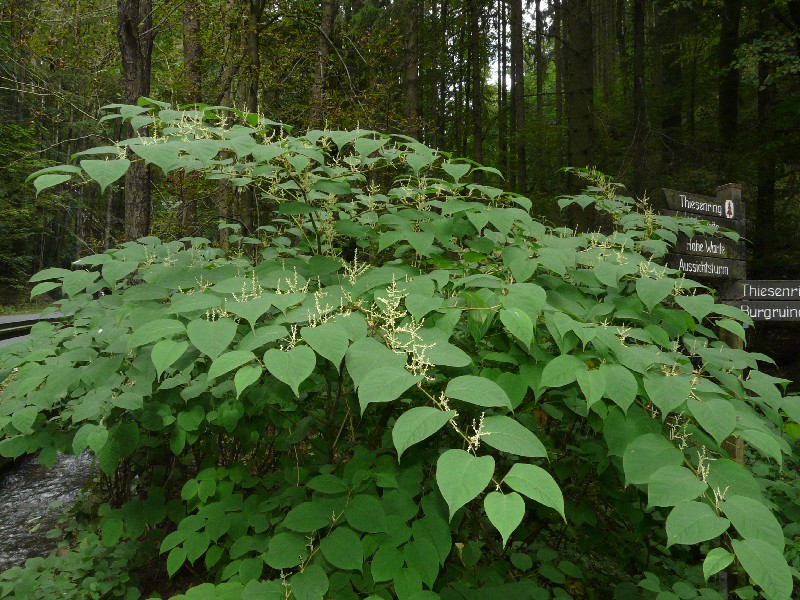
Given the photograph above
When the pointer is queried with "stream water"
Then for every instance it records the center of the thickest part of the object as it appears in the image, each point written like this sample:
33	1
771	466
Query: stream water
31	497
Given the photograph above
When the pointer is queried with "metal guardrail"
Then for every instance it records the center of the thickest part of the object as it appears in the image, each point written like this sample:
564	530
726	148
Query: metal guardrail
16	326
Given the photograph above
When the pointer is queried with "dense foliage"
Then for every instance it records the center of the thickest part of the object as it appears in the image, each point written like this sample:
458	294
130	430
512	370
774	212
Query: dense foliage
404	386
686	95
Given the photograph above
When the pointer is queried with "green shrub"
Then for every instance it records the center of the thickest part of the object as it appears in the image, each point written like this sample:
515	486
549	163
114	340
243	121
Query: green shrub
403	386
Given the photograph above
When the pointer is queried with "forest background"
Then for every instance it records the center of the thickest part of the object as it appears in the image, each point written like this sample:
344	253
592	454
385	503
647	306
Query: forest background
678	94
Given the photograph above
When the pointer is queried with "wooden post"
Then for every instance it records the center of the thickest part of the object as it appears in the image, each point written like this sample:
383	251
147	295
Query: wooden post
730	195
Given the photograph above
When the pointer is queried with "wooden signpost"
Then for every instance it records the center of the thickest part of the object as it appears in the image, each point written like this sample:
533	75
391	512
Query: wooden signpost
723	261
704	256
769	300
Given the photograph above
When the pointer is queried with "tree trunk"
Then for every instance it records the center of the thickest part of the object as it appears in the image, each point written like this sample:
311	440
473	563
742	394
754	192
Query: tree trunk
324	34
541	66
193	64
192	52
411	97
442	72
764	234
135	35
252	81
728	96
476	71
502	96
579	83
518	99
669	25
640	123
558	56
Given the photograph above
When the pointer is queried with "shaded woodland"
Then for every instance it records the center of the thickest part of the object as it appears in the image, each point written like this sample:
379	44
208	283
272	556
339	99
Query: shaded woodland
662	93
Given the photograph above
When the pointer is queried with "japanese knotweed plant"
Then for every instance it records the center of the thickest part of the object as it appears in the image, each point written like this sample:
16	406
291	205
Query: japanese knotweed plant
407	388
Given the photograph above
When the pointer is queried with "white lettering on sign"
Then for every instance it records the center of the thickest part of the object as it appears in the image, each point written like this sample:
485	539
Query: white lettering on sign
709	207
765	314
772	291
703	267
706	246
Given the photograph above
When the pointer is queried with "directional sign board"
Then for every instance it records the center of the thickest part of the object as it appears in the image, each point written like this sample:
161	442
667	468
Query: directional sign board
704	206
701	245
707	266
769	300
704	256
770	311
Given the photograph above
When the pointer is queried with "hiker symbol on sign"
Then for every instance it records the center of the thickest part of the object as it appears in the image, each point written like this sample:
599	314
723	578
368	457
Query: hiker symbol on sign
729	208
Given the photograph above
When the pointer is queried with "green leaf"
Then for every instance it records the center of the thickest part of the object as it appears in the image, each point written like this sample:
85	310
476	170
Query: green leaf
753	520
286	550
24	418
196	545
105	172
155	330
245	377
44	287
212	338
505	511
561	371
97	438
176	558
43	182
251	310
537	484
455	170
77	281
694	522
187	303
697	306
166	352
477	390
592	384
296	208
333	186
329	340
733	326
366	513
653	291
766	566
111	531
417	424
716	560
764	442
672	485
621	386
308	516
292	367
519	324
368	354
343	549
420	305
527	297
228	362
668	393
114	270
462	476
384	385
727	475
327	484
309	584
422	557
162	154
386	563
645	455
505	434
716	415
